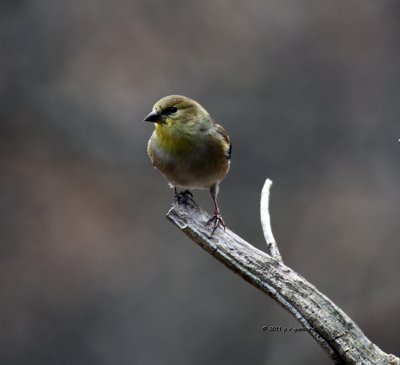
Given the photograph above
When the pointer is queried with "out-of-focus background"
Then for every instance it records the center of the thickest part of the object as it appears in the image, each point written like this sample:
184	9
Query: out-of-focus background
91	272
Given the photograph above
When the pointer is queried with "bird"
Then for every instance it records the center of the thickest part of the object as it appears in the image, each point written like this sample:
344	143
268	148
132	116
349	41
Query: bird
190	149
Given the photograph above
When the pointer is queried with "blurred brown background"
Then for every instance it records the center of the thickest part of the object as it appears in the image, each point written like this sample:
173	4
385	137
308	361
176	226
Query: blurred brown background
91	272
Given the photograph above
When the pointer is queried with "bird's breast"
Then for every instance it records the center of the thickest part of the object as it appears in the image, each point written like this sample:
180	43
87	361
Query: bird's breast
197	163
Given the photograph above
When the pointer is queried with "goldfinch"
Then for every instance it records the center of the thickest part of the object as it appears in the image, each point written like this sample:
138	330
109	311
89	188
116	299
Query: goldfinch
189	148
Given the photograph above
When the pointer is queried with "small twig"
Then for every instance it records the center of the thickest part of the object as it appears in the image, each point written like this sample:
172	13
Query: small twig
272	247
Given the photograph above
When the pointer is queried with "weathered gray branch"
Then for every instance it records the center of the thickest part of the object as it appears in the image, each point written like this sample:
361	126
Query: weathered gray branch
335	332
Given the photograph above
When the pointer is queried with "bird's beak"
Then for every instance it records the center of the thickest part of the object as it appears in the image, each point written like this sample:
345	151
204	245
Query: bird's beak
154	117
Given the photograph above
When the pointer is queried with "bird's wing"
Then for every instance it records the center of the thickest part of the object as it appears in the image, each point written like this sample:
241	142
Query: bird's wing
227	142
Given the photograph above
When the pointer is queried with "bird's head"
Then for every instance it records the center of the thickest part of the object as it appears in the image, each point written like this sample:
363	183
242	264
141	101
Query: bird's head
175	113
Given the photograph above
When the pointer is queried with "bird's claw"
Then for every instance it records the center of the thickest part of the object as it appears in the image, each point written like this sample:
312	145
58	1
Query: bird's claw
217	221
184	197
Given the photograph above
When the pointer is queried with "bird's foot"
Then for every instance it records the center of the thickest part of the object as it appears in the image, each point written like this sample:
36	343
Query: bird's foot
217	221
184	197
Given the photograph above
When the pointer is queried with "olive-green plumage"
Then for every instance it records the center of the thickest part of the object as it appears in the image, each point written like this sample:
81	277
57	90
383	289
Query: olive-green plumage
190	149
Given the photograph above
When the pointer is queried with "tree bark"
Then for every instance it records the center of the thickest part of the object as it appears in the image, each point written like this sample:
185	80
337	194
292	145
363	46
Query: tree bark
334	330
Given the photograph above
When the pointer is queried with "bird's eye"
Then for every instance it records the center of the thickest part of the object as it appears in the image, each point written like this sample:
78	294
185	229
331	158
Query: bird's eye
172	110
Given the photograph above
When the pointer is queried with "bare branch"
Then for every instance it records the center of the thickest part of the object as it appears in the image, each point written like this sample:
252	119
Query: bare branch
334	331
272	247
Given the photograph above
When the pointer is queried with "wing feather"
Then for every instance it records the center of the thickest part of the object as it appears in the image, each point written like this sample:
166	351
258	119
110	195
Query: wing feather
227	142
